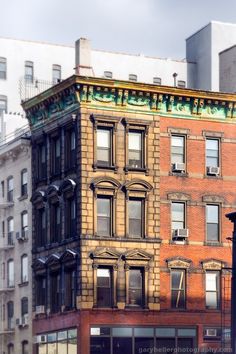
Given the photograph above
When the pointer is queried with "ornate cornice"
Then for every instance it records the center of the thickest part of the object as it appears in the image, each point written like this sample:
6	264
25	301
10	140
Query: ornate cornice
78	91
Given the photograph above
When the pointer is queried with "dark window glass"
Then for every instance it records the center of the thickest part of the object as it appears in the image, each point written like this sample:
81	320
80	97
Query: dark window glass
55	224
10	188
104	147
104	216
100	345
144	344
70	149
212	217
42	163
24	182
70	285
104	287
178	288
212	290
55	292
108	74
70	218
25	347
135	218
177	149
177	216
165	345
41	228
56	73
24	306
41	291
10	315
136	287
3	68
24	224
212	152
135	153
122	345
55	155
10	231
29	71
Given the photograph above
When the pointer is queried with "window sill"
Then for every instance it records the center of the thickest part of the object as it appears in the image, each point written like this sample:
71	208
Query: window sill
213	244
179	242
136	169
178	174
21	285
103	167
212	176
23	197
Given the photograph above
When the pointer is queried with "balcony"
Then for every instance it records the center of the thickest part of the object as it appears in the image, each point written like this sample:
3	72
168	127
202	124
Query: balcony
7	241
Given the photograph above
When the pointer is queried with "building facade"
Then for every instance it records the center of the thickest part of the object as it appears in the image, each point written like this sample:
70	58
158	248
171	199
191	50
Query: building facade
130	250
15	247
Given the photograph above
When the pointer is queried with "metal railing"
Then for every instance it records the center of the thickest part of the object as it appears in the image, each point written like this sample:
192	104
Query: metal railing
29	89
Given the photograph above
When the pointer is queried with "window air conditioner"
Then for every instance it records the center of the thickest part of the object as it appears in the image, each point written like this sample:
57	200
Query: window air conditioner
39	309
210	332
25	320
180	233
178	167
211	170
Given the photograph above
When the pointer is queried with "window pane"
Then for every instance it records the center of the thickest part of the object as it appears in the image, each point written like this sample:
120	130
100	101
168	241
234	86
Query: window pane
103	216
100	345
212	213
135	287
135	149
165	345
103	277
165	332
178	288
103	287
143	332
178	212
144	345
211	299
135	218
103	138
211	281
122	332
212	232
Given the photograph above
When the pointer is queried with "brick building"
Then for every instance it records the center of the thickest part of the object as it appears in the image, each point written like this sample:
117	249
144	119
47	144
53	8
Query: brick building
129	235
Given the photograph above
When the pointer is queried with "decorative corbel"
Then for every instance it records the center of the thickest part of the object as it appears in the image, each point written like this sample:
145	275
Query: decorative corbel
170	103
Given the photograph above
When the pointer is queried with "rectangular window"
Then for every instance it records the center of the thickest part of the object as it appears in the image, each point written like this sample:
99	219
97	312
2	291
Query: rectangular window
10	315
56	74
24	306
70	151
104	227
40	291
42	163
212	290
177	216
55	292
181	83
55	155
55	224
108	74
212	219
24	225
104	157
136	285
24	269
177	152
212	153
24	182
135	149
41	227
2	189
10	187
10	231
3	68
70	218
136	221
178	289
104	287
10	274
3	105
70	286
29	71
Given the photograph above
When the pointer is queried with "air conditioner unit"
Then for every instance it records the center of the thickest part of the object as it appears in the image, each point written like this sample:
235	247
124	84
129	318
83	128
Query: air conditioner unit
39	309
178	167
19	321
210	332
180	233
22	236
214	171
25	320
41	339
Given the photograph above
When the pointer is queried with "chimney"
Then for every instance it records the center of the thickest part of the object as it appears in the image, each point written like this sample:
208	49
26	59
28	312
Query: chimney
83	57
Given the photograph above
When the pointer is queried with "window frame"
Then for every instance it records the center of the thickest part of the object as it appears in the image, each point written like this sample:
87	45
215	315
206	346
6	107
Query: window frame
218	140
142	219
173	289
111	290
29	78
181	83
3	98
55	227
70	288
41	232
157	80
110	199
183	154
10	315
10	192
10	231
184	214
133	77
24	227
24	269
55	291
41	289
217	291
110	124
41	164
218	222
108	74
3	73
141	127
129	302
56	68
70	223
24	185
24	306
55	160
70	154
10	274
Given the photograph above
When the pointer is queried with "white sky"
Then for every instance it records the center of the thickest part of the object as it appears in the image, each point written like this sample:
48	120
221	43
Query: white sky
151	27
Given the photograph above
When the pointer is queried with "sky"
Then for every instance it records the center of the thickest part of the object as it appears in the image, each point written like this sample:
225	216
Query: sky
149	27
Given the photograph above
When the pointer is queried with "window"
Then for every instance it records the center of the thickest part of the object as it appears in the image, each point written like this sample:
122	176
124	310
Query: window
70	288
29	71
108	74
24	269
24	182
157	80
10	231
133	77
3	68
212	289
70	152
104	227
25	347
136	215
104	287
178	288
10	274
24	307
177	216
181	84
135	154
2	189
41	235
40	290
56	73
24	225
178	153
70	218
55	292
42	163
3	105
10	186
55	222
104	147
55	155
136	287
212	153
212	218
60	342
10	315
